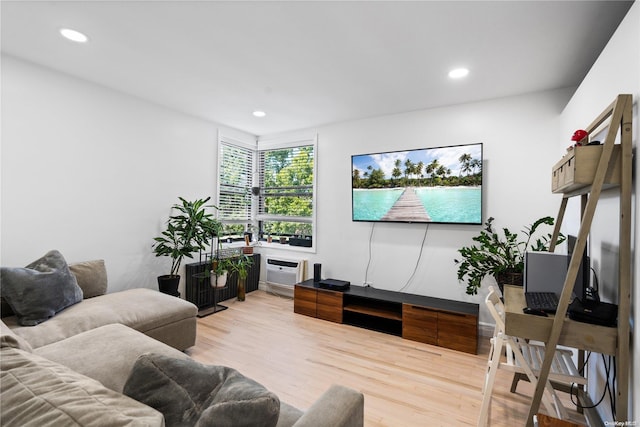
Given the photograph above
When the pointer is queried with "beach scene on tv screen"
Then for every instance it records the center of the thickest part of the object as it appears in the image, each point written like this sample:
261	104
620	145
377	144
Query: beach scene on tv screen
441	184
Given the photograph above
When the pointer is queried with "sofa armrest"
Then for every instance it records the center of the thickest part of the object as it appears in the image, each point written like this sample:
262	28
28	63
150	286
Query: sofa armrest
337	407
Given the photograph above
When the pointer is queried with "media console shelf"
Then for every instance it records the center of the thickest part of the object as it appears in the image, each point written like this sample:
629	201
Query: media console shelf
446	323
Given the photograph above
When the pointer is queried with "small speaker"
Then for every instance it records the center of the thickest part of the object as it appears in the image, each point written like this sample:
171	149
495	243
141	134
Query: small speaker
316	272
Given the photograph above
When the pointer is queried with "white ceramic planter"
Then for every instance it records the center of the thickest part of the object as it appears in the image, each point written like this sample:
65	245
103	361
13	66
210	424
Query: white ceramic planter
218	281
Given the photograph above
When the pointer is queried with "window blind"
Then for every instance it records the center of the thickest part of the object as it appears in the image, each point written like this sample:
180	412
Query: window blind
235	176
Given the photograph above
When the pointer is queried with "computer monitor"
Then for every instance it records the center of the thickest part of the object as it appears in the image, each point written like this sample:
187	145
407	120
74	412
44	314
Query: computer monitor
547	272
584	272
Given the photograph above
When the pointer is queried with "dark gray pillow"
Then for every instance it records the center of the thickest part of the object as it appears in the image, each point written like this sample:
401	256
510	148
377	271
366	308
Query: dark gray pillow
189	393
5	308
41	289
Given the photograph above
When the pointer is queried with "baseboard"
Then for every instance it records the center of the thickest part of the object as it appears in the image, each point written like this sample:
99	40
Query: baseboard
486	329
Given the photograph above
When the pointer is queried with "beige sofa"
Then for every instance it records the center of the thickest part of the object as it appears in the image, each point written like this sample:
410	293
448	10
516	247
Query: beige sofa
72	368
163	317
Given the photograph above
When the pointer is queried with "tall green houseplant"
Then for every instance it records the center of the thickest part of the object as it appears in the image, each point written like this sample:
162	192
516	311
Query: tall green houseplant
241	266
497	254
188	230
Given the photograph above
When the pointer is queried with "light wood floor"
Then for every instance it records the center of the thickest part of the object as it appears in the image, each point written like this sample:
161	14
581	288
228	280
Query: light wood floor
405	383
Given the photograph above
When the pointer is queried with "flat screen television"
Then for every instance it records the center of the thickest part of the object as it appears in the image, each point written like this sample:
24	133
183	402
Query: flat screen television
429	185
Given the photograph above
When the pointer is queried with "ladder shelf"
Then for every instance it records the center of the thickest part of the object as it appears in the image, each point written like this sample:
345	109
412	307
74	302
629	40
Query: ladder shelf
614	168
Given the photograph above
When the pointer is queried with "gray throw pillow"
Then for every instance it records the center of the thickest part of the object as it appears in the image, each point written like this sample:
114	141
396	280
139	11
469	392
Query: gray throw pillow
189	393
41	289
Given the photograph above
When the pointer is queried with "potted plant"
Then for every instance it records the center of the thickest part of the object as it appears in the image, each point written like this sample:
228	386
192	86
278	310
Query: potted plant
220	268
241	265
500	255
189	230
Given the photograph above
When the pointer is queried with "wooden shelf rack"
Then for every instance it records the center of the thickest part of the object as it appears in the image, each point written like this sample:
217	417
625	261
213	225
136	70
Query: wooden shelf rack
612	159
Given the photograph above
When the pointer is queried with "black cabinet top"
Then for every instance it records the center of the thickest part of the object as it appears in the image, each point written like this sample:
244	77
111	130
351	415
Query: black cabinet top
402	298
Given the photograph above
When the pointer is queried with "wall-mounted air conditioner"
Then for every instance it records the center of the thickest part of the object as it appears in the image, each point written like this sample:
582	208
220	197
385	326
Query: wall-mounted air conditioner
283	273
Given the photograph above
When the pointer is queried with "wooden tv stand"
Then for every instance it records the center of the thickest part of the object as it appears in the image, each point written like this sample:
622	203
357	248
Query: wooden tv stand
446	323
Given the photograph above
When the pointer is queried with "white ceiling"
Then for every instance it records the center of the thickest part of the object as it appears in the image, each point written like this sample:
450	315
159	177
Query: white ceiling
311	63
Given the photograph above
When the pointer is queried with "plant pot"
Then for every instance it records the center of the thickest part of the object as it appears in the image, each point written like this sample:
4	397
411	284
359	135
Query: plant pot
219	281
168	284
241	289
509	278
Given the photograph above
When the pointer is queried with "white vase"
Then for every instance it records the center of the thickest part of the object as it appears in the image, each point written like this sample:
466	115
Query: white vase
218	281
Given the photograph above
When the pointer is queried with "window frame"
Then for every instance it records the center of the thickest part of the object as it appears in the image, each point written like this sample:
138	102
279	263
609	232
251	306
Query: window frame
286	142
264	144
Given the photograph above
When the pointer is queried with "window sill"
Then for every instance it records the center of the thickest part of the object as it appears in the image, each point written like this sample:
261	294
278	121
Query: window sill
285	247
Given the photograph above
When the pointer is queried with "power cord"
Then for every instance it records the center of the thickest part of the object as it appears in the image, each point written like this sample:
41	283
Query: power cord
424	238
608	389
415	269
366	271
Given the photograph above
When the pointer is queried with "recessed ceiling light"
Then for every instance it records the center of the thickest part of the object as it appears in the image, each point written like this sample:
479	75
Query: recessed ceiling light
259	113
458	73
74	35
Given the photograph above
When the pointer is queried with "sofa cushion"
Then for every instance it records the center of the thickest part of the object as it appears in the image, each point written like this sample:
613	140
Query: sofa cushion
91	277
189	393
9	339
106	354
142	309
41	289
289	415
37	392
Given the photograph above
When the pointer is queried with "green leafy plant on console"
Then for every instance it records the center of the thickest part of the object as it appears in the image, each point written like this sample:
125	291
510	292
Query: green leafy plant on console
189	230
497	254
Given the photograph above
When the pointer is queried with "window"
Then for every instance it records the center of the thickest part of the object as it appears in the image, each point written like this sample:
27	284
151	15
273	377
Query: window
286	202
278	199
234	186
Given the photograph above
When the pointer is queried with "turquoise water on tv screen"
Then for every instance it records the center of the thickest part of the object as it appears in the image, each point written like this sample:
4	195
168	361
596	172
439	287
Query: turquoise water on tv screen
452	204
371	205
443	204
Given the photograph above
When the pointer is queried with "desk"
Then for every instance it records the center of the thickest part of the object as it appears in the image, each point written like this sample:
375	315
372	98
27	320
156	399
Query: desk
578	335
583	336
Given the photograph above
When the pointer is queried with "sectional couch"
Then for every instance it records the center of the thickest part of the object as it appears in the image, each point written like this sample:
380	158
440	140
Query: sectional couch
72	368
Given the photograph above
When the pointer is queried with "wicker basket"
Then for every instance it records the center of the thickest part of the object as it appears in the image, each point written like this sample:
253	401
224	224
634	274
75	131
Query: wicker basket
509	278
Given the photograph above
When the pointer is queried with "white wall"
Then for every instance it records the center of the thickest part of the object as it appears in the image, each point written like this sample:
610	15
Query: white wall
93	173
616	71
519	136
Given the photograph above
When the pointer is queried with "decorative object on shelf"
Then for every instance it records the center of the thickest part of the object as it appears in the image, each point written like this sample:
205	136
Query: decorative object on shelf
247	249
188	231
580	137
500	256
